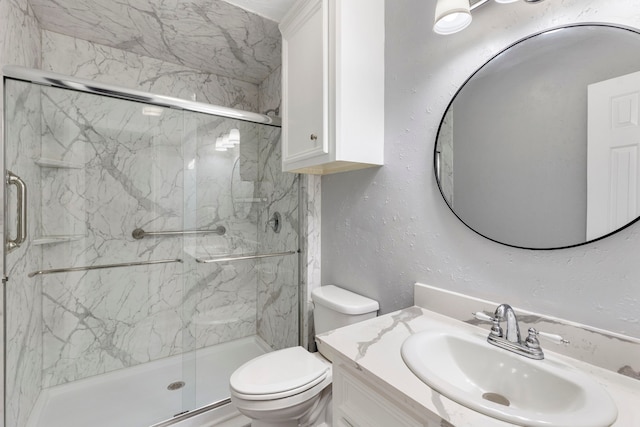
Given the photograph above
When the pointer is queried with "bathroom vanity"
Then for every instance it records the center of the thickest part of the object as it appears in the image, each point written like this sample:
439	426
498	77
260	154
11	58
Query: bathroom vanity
372	385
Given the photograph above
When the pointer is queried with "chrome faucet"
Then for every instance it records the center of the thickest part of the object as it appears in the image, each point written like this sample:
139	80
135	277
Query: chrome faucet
512	333
510	338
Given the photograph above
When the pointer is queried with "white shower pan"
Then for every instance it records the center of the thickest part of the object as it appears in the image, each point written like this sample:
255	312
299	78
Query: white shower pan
138	396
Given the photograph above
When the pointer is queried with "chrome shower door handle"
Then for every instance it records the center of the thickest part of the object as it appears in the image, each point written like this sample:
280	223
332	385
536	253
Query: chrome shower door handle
21	232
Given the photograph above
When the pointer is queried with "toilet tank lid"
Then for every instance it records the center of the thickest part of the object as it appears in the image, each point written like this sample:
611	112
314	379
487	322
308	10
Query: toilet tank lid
343	301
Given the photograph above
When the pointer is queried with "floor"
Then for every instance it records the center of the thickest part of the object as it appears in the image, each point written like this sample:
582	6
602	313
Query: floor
138	396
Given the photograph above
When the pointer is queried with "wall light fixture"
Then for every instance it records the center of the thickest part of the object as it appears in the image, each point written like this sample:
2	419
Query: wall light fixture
455	15
452	16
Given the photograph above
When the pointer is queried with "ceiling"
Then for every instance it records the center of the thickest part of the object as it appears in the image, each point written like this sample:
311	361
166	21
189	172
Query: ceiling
209	35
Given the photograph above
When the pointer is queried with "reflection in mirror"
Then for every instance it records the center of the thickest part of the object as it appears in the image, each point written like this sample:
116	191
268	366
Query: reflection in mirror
539	148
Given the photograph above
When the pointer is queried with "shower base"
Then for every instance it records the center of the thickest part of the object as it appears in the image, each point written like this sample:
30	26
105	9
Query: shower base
139	397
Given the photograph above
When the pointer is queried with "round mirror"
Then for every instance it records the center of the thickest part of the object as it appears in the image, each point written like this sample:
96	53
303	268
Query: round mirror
540	147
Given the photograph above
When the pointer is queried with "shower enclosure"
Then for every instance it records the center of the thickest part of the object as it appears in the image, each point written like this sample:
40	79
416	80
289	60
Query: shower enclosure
151	247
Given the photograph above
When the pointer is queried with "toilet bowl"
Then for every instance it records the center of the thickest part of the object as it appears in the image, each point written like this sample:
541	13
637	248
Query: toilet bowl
280	388
292	387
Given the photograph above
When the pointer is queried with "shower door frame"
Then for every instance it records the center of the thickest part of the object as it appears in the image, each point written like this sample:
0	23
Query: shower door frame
50	79
47	78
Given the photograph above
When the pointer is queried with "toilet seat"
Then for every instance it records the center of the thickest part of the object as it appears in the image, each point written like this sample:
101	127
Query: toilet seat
278	375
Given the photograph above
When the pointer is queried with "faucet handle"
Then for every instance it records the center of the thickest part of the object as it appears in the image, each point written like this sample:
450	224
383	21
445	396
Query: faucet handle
532	340
554	338
496	330
483	316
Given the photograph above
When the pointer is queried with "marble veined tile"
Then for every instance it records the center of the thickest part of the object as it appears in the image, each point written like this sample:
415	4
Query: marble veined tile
23	325
74	57
278	279
310	244
129	170
269	91
20	45
207	35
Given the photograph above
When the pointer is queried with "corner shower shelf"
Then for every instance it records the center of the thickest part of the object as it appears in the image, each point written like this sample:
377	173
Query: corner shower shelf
51	163
224	315
45	240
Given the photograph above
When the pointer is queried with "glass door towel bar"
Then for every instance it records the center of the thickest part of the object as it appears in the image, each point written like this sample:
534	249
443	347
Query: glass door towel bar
162	261
232	257
139	233
99	267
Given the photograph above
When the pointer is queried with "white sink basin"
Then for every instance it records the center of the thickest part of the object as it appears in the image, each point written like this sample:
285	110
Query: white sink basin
465	368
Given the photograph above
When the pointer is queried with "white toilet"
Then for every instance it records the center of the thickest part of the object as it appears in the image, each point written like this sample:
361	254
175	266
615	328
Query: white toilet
292	387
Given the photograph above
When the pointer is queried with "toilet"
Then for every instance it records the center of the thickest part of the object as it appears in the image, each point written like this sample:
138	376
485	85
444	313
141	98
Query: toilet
292	387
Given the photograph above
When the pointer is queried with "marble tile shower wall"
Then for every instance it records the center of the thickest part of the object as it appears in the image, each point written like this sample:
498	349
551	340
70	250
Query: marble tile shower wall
81	58
278	278
222	297
278	282
20	45
133	174
209	35
124	170
103	326
24	326
91	328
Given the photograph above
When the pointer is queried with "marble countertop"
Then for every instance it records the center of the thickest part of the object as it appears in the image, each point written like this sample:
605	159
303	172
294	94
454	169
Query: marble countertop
373	346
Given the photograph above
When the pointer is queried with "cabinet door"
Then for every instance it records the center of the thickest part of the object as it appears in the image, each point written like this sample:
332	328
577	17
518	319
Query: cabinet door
304	86
357	403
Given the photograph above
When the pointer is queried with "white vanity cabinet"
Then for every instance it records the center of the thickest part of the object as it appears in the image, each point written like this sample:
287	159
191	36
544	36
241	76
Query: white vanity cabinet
358	402
333	86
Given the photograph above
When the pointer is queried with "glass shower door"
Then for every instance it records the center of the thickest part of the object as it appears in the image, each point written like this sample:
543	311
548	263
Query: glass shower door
151	252
22	295
242	292
94	321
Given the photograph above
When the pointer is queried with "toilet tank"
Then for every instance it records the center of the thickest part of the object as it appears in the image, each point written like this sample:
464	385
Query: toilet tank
335	307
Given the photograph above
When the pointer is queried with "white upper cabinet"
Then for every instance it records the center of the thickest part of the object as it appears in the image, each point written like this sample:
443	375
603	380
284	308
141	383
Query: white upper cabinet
333	86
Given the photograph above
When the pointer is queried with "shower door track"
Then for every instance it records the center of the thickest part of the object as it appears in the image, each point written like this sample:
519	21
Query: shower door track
192	413
47	78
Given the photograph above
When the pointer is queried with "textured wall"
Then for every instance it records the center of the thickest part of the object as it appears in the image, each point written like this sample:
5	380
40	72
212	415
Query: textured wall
385	228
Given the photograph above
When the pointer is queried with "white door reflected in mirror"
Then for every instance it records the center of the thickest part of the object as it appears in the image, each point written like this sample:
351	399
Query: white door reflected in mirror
612	154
